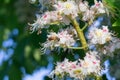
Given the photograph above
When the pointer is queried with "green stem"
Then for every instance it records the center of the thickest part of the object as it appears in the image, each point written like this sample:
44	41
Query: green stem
80	33
75	47
84	26
99	78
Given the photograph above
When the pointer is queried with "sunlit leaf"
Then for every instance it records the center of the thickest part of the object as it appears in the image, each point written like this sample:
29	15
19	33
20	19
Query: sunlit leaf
116	23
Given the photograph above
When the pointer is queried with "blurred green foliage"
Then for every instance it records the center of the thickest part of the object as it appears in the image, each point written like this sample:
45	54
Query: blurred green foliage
16	14
113	7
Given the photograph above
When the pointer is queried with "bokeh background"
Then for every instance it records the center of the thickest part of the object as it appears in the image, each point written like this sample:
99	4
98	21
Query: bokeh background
20	54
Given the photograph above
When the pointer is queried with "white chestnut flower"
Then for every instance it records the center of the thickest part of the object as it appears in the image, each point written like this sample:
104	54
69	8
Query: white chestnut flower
50	17
67	67
112	46
90	64
45	19
99	36
98	7
51	42
83	6
88	15
64	39
67	8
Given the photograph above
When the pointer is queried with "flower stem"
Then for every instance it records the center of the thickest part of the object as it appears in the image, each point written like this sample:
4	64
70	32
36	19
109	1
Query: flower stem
99	78
75	47
85	26
80	33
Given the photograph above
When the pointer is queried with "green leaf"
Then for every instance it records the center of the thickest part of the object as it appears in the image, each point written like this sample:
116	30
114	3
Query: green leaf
116	23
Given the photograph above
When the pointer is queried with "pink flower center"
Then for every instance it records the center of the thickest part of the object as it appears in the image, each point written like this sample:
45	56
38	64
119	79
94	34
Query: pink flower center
97	4
73	66
105	30
94	62
45	16
62	65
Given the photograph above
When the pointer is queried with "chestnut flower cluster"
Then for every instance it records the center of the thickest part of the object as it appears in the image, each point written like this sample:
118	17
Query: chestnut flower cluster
64	38
78	69
70	13
99	36
68	8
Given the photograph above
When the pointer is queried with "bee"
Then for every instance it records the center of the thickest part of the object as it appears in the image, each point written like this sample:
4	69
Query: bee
55	38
